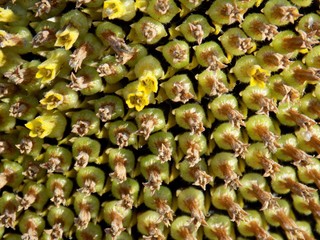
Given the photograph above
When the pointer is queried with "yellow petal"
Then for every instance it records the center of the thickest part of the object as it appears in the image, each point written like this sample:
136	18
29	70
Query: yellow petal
52	100
137	100
148	83
7	15
40	127
67	37
113	9
47	71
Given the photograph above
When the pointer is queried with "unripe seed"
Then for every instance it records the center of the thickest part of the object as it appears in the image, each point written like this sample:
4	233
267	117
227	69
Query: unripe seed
197	174
163	145
182	229
61	220
213	83
84	123
161	202
127	192
147	30
31	225
225	166
193	146
195	28
229	137
90	180
117	216
259	157
59	188
210	54
162	10
10	174
225	107
9	204
121	133
192	201
154	171
87	81
87	208
121	161
148	224
34	195
191	116
280	12
262	128
219	227
57	159
149	120
179	88
111	70
176	53
225	198
254	188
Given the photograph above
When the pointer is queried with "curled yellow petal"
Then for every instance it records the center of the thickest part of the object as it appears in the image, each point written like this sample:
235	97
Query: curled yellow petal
137	100
47	71
148	83
113	9
67	37
258	76
7	15
52	100
2	58
40	127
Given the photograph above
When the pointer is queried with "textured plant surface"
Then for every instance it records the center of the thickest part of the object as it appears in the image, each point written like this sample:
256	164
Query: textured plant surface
159	119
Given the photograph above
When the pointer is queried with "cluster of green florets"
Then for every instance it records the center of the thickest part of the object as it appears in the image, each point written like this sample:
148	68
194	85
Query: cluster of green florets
159	119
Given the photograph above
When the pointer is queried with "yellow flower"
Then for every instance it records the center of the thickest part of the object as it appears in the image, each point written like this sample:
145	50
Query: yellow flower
148	83
40	127
48	70
258	76
113	9
137	100
7	15
67	37
52	100
2	58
